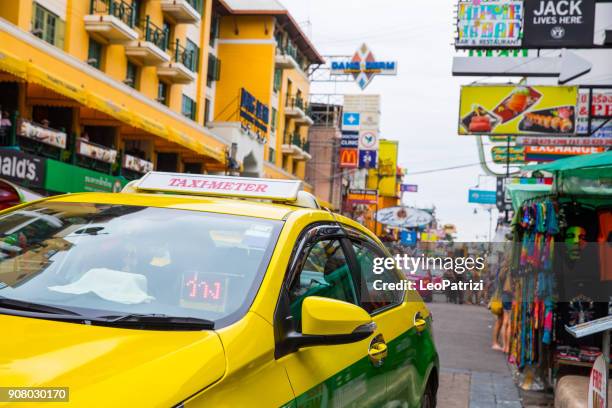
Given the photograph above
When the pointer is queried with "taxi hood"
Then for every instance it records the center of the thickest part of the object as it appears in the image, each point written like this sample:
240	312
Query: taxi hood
107	367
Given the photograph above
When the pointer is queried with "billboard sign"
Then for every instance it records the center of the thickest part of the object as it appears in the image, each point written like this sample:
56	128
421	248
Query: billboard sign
552	153
564	141
350	140
255	113
559	23
23	168
482	197
363	67
517	110
368	159
503	155
351	121
409	188
368	140
403	217
601	108
489	24
362	196
349	158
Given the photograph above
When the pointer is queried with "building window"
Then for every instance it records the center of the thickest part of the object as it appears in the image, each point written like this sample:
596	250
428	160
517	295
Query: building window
94	54
47	26
189	107
131	75
278	78
271	155
194	50
162	93
214	70
214	29
207	118
274	119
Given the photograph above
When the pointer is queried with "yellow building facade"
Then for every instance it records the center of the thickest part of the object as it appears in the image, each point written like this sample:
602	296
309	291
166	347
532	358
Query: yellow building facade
126	86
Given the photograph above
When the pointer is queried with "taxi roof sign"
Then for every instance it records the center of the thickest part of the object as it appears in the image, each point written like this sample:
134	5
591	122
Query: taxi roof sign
220	186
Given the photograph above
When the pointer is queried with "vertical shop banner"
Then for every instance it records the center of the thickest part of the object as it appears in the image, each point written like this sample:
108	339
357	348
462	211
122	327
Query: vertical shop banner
22	168
490	24
559	23
349	158
517	110
385	176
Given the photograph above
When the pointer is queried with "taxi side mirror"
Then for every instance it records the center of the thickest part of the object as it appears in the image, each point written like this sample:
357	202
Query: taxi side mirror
328	321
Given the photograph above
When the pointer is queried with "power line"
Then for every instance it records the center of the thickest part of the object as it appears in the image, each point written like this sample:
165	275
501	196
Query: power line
461	166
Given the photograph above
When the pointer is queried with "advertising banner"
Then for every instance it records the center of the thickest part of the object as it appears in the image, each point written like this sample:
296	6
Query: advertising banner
482	197
517	110
403	217
503	155
361	196
136	164
559	23
363	66
22	168
552	153
490	24
601	107
96	151
409	188
41	134
349	158
564	141
66	178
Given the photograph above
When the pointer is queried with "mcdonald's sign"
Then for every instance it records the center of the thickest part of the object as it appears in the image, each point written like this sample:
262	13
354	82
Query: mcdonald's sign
349	158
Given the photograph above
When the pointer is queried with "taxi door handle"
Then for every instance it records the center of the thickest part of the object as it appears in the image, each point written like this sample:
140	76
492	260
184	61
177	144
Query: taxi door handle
419	322
377	354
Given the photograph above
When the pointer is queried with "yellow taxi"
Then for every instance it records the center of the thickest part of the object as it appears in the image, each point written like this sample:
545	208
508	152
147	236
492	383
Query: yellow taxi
204	291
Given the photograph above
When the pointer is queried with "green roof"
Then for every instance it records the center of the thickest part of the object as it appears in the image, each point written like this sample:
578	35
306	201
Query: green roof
574	163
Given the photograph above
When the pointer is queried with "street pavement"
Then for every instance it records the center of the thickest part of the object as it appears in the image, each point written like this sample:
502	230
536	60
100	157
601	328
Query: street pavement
472	375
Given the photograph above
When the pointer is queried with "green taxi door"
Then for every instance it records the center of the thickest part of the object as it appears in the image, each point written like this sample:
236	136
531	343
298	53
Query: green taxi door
345	374
402	317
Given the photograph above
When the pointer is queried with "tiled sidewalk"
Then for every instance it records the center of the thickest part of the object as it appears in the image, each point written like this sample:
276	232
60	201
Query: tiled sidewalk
464	389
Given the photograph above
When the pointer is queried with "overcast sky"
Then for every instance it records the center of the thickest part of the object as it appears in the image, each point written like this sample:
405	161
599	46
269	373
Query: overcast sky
420	105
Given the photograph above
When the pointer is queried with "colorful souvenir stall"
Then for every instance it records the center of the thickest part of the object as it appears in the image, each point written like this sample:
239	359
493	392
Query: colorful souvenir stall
561	267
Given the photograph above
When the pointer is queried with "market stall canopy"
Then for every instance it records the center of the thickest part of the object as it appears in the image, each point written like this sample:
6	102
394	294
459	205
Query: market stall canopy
519	193
589	174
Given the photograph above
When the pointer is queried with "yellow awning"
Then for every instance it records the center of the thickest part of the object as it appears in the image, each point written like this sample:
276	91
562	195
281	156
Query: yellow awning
37	74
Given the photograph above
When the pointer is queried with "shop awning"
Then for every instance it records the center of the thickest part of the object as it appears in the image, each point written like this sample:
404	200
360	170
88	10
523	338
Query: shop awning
590	174
105	98
520	193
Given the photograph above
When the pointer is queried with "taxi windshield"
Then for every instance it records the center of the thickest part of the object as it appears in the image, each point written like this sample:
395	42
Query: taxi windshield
100	260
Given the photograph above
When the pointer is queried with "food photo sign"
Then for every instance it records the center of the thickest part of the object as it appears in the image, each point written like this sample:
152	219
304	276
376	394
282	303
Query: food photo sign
517	110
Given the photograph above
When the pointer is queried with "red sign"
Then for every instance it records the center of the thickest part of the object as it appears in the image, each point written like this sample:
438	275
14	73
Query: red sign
563	141
349	158
551	153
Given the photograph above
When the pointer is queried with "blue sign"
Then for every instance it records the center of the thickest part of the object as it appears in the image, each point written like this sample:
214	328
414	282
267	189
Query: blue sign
349	139
351	121
368	159
254	111
482	197
408	238
409	188
363	67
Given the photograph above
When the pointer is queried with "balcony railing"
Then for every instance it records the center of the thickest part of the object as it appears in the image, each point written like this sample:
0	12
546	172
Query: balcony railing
183	55
296	102
294	139
155	35
118	8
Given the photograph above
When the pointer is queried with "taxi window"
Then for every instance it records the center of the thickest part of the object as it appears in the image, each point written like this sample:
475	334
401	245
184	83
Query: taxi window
325	273
374	300
131	259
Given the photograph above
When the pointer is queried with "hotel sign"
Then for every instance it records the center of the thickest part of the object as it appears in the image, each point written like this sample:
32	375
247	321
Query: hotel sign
363	67
254	114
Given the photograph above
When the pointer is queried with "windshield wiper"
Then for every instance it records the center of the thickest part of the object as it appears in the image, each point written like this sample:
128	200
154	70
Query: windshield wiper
156	321
15	304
